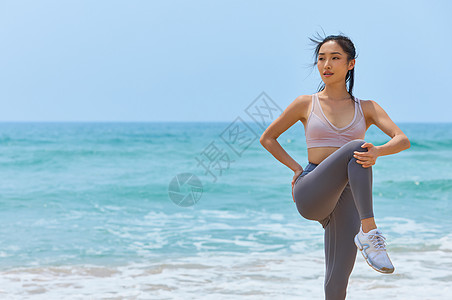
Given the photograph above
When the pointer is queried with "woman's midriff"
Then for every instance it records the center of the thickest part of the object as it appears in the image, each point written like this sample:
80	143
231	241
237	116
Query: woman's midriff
317	154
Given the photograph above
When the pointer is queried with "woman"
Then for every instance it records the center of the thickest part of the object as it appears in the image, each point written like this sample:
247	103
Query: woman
335	188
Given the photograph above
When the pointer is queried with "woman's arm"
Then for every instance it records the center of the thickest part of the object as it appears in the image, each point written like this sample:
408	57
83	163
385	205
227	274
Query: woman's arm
399	141
290	116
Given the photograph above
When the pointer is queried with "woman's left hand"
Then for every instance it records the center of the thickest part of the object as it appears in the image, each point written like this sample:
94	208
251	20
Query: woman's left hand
367	159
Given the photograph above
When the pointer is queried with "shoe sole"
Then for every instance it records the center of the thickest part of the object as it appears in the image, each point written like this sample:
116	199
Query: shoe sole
384	270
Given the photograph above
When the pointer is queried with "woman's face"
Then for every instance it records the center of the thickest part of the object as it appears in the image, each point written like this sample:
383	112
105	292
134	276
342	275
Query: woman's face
332	59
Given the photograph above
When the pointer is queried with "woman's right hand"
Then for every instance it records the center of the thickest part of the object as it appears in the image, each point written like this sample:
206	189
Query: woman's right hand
295	176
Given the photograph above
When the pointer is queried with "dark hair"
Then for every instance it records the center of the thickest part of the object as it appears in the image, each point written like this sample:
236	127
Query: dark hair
348	47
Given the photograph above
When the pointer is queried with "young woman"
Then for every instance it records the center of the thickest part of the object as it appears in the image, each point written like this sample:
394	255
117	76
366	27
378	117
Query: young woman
335	188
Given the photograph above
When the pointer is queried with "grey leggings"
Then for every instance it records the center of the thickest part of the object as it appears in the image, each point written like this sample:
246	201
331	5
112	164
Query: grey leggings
338	194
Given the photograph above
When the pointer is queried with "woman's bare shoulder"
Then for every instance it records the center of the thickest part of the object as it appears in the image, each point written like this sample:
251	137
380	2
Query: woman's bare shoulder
304	98
370	108
293	113
303	104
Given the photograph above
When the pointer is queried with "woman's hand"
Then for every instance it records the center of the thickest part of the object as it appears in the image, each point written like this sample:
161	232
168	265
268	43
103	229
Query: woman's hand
297	173
367	159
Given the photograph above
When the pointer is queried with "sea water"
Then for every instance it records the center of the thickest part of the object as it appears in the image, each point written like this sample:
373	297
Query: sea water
203	211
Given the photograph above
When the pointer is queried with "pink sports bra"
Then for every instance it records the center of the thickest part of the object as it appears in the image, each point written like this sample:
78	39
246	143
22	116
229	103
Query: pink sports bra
321	133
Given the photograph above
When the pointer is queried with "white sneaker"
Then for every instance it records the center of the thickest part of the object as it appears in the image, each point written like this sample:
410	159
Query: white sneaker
372	247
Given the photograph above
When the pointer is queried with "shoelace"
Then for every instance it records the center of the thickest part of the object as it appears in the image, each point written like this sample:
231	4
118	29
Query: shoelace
378	240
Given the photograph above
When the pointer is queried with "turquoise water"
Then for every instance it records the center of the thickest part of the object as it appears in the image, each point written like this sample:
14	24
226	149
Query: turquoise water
86	207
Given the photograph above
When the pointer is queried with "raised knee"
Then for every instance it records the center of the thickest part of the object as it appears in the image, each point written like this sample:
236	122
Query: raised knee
355	145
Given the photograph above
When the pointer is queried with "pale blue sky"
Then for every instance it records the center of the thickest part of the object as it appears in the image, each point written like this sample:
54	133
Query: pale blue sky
207	60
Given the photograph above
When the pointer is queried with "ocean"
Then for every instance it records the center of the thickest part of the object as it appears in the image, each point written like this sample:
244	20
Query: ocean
203	211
